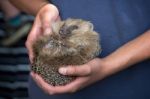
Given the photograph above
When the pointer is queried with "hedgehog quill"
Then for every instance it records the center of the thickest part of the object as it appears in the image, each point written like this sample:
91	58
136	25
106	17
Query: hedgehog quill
72	42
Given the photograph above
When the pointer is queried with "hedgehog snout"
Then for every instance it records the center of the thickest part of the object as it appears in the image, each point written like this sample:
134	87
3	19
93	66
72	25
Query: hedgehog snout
67	30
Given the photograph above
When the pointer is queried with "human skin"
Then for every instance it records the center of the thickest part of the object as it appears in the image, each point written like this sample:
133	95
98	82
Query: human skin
45	13
8	9
95	70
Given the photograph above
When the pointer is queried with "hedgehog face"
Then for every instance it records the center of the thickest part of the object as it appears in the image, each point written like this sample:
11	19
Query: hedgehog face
70	25
69	37
67	30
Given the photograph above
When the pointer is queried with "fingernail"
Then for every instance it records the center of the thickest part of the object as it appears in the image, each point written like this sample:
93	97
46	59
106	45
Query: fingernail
63	71
47	31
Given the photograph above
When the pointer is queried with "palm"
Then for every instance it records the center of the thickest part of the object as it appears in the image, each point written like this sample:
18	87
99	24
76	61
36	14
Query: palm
86	75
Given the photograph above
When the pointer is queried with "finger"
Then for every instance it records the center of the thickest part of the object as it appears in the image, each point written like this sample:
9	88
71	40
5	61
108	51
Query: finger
46	19
35	31
48	16
58	18
82	70
42	84
35	78
71	87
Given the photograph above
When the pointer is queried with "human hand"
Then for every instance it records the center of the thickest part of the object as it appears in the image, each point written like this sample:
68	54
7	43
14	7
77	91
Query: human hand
42	25
87	74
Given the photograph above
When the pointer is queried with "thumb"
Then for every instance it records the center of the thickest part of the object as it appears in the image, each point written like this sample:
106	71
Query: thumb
34	33
48	14
46	23
82	70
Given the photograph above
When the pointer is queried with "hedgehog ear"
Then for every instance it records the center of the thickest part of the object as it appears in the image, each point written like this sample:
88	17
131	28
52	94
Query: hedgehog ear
90	26
87	26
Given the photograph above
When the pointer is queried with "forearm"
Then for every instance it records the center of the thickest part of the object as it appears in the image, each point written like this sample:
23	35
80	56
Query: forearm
131	53
29	6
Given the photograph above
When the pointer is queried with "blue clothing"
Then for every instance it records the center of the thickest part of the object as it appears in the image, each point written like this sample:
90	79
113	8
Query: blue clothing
118	22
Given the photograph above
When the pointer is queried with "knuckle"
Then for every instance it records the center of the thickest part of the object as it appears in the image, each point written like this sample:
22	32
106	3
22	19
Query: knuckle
75	70
46	24
70	70
46	91
49	92
88	70
73	90
26	43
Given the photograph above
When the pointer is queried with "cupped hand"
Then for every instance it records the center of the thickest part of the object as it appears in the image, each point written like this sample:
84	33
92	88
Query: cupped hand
87	74
42	25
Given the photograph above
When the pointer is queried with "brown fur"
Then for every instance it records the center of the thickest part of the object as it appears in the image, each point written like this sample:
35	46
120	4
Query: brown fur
73	42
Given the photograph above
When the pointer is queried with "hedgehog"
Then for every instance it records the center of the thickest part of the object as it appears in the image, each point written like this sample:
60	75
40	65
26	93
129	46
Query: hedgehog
72	42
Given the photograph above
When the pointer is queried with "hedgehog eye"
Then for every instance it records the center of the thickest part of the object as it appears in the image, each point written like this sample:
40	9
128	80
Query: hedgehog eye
62	29
73	27
65	30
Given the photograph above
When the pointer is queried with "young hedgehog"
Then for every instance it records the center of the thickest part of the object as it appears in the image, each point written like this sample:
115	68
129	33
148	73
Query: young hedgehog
72	42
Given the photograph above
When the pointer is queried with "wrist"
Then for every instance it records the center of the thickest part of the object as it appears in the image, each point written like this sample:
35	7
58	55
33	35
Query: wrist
114	64
102	67
106	67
